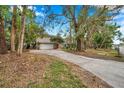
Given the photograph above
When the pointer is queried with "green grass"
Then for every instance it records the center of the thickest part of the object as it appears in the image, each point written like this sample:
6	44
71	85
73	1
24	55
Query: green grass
100	53
59	75
111	53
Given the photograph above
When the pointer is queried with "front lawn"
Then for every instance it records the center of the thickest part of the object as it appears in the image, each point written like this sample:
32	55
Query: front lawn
107	54
58	75
42	71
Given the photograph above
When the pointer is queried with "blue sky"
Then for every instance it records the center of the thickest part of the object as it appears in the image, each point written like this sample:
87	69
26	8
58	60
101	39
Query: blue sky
119	19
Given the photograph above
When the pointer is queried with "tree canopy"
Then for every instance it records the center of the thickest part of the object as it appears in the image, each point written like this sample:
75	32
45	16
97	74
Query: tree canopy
88	26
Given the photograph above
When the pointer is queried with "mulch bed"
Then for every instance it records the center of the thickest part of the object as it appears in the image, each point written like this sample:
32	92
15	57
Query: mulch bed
20	71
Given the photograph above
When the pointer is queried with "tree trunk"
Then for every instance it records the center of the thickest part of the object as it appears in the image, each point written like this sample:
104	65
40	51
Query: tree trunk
83	44
78	44
78	40
85	15
70	36
21	36
3	48
14	27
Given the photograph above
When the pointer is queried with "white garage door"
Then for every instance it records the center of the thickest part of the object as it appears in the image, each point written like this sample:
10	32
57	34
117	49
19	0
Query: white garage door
46	46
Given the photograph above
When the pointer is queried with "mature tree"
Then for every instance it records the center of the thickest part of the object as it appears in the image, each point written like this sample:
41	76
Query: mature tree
104	37
97	22
14	27
33	31
75	17
3	48
3	11
21	38
57	39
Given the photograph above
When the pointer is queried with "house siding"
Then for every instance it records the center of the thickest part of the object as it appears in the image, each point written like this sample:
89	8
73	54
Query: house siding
122	49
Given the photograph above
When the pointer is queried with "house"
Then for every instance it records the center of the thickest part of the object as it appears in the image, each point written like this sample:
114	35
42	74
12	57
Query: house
121	49
45	43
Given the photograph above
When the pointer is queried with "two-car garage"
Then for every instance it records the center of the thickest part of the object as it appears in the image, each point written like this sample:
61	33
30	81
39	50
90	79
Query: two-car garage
45	43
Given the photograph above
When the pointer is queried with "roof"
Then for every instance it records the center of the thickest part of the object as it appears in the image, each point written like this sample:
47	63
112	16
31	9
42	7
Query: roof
43	40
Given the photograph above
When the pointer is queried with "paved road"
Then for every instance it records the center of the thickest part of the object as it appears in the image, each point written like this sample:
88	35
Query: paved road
110	71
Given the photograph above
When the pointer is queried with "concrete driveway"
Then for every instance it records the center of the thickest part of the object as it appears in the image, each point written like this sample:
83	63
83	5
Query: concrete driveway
110	71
